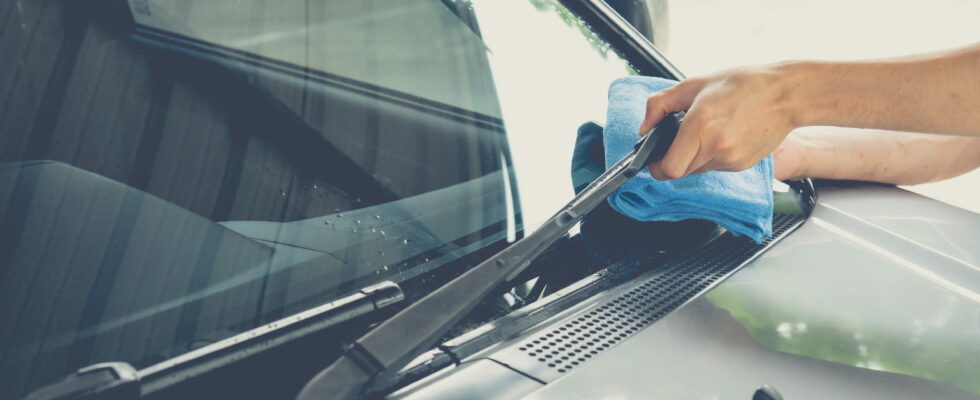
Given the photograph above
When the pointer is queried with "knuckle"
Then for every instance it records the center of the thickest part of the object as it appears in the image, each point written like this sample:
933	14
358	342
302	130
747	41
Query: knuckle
673	172
723	144
654	171
689	83
739	76
655	101
729	159
693	123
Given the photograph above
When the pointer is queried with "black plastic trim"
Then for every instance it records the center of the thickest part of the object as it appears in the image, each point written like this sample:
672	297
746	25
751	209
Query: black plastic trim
269	336
574	340
626	40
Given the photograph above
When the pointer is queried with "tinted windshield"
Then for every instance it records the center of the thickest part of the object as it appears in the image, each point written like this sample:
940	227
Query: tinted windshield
223	164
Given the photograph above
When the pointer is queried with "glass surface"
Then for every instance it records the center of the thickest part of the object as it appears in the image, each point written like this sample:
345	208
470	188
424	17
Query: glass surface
258	158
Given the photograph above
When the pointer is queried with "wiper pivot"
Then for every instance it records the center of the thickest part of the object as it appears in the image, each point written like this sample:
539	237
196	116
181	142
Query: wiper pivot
111	380
396	341
119	380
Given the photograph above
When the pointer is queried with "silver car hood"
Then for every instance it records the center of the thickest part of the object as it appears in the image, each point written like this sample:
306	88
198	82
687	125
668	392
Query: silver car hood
876	296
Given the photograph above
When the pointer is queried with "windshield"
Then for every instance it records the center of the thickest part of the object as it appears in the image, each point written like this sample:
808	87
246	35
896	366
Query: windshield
222	164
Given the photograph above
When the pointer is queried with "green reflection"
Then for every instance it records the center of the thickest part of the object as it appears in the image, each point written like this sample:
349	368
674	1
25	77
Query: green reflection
852	308
573	21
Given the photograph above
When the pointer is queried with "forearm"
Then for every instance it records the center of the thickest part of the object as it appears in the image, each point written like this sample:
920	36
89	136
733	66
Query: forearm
899	158
934	93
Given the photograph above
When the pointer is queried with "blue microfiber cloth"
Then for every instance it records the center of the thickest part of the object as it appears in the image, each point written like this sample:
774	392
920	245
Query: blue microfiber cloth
739	201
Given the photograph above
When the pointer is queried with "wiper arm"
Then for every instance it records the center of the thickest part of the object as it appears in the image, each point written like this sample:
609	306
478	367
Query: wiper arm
119	380
395	342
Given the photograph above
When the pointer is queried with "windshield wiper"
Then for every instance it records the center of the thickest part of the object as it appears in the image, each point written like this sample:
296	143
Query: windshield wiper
395	342
119	380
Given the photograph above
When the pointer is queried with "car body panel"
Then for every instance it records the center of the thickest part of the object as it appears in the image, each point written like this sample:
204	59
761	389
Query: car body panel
854	304
480	379
833	311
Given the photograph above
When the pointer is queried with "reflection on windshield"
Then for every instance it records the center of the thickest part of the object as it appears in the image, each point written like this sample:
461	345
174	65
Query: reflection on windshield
161	203
260	158
422	48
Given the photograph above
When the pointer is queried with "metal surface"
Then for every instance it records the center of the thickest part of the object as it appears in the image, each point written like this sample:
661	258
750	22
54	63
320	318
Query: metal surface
482	379
833	311
508	326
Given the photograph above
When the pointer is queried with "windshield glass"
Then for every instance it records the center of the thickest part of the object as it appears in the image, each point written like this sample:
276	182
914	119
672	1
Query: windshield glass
219	165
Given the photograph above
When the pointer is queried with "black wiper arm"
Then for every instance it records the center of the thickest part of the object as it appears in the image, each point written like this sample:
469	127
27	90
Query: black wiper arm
119	380
395	342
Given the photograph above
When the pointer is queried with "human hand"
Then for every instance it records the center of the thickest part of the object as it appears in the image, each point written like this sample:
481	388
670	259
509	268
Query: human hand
734	119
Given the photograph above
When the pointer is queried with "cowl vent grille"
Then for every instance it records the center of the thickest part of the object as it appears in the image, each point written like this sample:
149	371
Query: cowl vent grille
583	337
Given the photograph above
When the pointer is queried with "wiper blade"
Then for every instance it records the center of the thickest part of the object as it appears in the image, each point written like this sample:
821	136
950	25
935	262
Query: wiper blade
398	340
119	380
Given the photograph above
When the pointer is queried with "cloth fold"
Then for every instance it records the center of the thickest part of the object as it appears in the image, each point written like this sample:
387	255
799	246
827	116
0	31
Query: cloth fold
739	201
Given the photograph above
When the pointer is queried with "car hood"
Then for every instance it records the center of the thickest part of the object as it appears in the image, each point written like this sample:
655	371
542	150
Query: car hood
877	295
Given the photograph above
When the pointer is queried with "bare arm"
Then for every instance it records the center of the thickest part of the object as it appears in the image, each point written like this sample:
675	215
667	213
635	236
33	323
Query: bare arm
735	118
932	93
899	158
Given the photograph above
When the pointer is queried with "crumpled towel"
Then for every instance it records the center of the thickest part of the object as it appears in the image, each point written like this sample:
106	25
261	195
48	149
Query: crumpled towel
739	201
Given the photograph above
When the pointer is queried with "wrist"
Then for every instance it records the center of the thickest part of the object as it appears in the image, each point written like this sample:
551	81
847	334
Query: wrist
792	157
805	83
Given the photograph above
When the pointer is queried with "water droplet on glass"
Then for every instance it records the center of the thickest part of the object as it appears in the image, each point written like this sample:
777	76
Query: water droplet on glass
377	216
358	222
382	233
381	252
373	230
315	186
427	259
340	215
282	192
405	242
386	268
354	230
327	222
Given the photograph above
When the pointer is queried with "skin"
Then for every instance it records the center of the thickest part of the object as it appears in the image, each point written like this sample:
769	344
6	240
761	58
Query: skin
737	117
899	158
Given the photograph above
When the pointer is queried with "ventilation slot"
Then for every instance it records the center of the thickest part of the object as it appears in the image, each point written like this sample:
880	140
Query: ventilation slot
584	337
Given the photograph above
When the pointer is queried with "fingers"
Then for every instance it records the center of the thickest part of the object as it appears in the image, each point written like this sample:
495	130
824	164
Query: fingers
655	112
677	98
734	119
729	163
704	159
687	144
682	152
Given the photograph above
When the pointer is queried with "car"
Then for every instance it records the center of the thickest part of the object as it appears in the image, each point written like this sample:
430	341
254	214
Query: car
224	199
